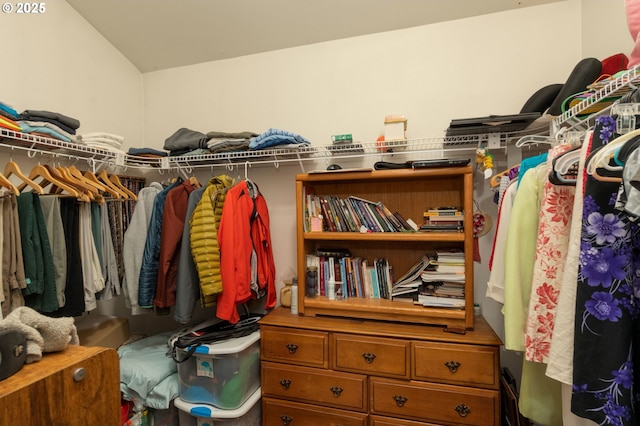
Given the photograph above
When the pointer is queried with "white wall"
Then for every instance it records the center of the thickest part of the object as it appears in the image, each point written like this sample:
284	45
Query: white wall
56	61
484	65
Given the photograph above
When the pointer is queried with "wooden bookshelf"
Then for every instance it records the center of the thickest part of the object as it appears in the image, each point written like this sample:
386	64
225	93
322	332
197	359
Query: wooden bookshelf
409	192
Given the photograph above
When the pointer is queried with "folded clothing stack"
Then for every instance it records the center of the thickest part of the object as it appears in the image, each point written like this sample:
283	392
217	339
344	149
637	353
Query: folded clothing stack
8	117
102	140
274	137
48	124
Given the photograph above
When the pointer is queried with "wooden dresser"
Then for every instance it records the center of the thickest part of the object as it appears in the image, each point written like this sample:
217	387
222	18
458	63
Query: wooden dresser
78	386
339	371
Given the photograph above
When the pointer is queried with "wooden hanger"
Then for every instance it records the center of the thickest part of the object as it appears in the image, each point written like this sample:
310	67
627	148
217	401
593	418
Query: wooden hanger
103	176
106	188
89	190
495	180
8	184
116	180
98	187
48	176
12	168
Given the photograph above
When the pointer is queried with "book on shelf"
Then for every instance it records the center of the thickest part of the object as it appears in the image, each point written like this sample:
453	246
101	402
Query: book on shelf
441	302
405	223
445	253
457	267
430	276
453	227
443	211
333	252
414	272
443	289
444	218
374	213
343	275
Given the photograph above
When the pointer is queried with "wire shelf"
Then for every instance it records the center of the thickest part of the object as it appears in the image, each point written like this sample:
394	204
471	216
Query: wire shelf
439	147
574	119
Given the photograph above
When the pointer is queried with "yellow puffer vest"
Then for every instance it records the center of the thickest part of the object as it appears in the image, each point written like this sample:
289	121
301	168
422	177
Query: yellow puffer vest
204	238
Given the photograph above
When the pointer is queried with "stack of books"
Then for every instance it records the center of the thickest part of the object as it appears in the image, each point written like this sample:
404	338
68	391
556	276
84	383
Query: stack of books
443	219
442	294
437	280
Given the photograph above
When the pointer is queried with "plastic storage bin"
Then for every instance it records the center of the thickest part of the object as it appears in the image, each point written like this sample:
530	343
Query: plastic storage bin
223	374
249	413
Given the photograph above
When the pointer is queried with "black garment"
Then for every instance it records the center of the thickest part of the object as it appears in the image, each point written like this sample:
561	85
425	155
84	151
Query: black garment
607	304
74	290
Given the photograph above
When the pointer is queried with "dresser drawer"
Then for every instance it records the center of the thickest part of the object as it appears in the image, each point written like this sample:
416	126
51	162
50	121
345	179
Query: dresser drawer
371	355
286	413
437	403
300	347
335	389
456	364
388	421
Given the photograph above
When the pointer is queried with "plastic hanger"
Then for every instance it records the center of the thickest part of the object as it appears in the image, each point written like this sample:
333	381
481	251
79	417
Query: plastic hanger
8	184
602	157
534	140
12	168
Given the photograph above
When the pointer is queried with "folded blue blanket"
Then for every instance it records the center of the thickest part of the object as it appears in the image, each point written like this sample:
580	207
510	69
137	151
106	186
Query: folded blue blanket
273	137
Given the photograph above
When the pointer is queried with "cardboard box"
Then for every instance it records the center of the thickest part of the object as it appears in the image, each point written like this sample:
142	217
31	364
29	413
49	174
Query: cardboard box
102	330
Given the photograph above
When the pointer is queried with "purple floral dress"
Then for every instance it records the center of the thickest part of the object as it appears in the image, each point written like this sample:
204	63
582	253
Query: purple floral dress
606	322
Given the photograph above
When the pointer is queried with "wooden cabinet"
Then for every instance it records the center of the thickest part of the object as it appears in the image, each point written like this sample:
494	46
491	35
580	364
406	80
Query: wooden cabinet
409	192
78	386
350	371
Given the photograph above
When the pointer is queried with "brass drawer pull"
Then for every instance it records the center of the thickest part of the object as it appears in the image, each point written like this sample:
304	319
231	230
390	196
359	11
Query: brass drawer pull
400	400
285	383
336	390
463	410
452	366
292	348
286	420
369	357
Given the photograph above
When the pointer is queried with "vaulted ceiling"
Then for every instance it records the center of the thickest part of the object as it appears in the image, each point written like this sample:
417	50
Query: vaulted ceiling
160	34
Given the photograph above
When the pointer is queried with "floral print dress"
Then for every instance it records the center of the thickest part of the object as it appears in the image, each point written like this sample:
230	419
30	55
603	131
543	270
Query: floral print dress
606	320
552	244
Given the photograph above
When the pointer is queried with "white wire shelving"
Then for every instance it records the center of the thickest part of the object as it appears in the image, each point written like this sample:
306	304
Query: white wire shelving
573	119
100	158
576	118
